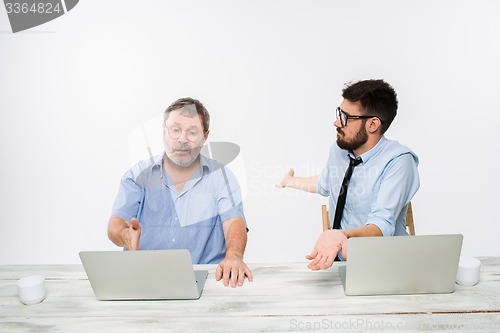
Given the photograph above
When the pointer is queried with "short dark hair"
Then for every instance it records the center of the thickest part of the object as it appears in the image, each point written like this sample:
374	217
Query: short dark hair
187	101
377	98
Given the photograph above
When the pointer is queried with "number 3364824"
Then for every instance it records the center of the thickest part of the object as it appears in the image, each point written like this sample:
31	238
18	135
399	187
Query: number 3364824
35	8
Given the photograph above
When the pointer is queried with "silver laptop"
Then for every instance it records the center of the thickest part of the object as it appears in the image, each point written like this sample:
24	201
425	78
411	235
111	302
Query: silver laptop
143	275
401	265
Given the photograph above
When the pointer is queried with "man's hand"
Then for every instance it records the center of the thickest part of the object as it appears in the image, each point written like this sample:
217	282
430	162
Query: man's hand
329	243
124	233
287	178
132	234
308	184
233	269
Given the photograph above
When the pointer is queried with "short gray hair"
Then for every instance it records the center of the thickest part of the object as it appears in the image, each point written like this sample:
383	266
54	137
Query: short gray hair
190	107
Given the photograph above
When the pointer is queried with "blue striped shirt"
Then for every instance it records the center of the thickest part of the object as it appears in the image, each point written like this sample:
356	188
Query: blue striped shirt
190	219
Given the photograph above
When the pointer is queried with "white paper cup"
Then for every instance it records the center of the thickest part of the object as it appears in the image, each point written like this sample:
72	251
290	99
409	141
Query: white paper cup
31	289
468	271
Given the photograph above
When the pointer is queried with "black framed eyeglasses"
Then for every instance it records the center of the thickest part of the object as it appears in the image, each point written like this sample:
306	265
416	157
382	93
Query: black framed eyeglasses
344	117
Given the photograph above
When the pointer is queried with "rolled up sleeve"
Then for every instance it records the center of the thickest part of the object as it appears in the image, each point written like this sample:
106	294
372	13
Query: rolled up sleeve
400	182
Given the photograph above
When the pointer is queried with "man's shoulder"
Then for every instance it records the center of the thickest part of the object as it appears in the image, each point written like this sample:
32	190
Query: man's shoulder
214	166
216	171
145	167
210	163
392	149
150	162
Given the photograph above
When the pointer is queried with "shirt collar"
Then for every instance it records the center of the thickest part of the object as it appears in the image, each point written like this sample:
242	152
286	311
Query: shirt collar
204	163
372	152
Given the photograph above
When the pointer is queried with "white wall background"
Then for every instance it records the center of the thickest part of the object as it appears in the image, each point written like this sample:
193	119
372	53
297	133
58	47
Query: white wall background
270	72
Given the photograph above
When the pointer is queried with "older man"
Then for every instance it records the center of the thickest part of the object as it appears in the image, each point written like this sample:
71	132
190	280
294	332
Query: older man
181	199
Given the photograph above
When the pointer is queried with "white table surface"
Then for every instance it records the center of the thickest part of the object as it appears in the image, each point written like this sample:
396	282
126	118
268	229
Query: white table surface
285	297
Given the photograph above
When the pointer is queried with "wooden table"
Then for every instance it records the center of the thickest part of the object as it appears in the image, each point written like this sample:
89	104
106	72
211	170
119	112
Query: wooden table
283	297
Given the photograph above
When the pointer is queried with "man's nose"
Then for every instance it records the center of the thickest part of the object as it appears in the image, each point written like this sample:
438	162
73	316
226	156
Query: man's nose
337	123
183	137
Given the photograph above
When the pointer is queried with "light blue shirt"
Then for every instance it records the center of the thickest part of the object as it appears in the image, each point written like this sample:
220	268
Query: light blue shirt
190	219
380	187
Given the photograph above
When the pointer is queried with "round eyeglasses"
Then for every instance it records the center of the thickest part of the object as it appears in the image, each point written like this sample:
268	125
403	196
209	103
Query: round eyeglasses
344	117
176	132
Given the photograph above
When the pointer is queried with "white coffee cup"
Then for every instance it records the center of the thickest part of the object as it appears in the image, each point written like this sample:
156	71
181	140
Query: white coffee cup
468	271
31	289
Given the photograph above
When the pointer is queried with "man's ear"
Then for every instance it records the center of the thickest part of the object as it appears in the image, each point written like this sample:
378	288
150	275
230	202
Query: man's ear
373	125
205	134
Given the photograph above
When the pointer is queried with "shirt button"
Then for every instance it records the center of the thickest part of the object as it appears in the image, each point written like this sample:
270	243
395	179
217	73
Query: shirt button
173	240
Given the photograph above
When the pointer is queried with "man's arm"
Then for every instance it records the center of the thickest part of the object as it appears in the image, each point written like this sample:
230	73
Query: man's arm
124	233
232	266
330	242
369	230
398	187
308	184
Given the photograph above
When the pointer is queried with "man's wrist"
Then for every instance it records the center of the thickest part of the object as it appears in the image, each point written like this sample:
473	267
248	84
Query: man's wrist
232	253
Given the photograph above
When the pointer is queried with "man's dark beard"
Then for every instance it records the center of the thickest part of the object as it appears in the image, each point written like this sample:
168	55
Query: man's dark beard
359	139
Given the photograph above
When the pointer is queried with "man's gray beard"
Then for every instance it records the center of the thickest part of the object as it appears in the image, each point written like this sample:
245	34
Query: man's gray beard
193	154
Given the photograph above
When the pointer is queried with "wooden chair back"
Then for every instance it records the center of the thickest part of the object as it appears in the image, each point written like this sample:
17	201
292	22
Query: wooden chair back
410	223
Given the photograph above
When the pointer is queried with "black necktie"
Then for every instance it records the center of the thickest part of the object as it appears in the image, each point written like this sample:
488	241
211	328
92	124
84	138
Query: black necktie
343	192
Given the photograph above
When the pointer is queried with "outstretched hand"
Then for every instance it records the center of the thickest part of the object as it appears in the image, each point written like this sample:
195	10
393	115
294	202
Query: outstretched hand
132	234
286	179
328	245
